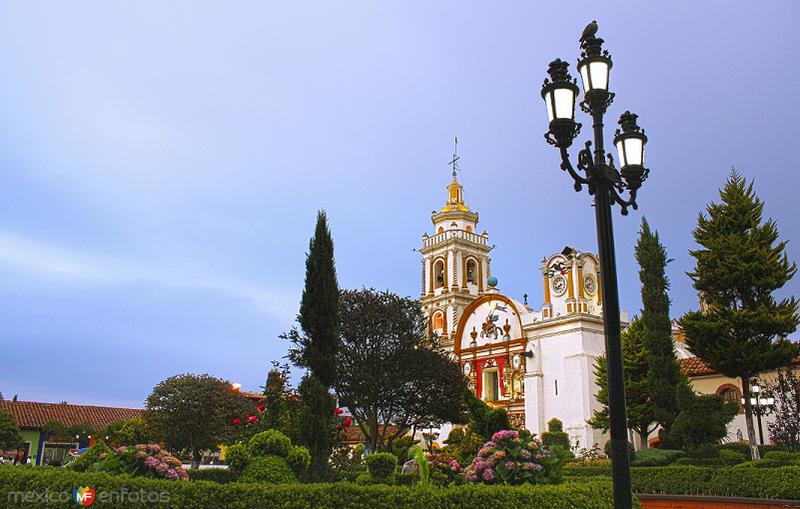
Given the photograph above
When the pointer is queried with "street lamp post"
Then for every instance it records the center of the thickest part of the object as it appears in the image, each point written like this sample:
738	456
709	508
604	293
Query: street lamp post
595	169
761	405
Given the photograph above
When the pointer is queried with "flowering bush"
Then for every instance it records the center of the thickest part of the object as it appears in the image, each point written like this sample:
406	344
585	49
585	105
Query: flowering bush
444	469
145	460
514	457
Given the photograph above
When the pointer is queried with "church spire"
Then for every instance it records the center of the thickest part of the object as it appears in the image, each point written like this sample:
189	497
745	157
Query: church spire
455	198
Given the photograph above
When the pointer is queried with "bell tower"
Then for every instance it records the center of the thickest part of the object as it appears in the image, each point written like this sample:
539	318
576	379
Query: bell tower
455	261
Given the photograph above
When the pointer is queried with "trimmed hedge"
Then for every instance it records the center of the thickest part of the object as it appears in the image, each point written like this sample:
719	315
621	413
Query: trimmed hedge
656	457
783	482
220	475
202	495
268	469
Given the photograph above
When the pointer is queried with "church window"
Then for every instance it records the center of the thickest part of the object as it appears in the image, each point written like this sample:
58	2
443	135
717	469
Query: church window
556	381
438	274
441	229
438	321
469	229
730	394
491	385
472	269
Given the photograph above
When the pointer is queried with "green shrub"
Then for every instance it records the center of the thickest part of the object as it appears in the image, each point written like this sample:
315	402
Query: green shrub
298	459
655	457
744	448
735	481
270	442
204	494
237	457
89	457
783	458
366	479
268	469
381	464
631	450
730	457
555	435
700	462
218	475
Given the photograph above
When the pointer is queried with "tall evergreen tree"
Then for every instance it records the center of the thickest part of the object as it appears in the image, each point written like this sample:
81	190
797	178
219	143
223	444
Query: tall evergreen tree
663	372
637	398
741	328
315	348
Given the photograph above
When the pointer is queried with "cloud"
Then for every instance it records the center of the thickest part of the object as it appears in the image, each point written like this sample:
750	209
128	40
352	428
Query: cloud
70	266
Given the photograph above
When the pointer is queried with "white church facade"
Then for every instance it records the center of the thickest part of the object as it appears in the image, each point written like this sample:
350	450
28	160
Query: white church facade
538	364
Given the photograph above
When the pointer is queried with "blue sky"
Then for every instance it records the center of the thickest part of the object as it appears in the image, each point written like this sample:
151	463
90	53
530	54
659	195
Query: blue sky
161	163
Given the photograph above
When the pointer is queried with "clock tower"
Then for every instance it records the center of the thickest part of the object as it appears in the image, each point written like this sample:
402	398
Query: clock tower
455	263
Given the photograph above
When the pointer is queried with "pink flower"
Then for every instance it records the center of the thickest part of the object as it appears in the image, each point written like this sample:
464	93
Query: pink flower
151	462
153	448
504	434
525	454
510	465
488	475
171	474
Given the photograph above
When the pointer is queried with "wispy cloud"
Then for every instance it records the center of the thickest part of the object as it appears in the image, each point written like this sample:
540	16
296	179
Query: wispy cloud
72	266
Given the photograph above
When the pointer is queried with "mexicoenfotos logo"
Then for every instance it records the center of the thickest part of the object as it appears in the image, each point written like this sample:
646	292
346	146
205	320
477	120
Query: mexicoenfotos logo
83	496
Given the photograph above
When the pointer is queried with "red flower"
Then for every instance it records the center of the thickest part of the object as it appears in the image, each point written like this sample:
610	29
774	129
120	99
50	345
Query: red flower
347	422
338	411
261	406
237	421
252	418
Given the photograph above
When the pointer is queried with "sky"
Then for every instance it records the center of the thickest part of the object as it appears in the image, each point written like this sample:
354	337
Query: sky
162	163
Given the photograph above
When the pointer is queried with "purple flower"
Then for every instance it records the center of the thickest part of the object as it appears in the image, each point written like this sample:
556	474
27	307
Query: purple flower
510	465
151	462
488	475
525	454
161	467
171	474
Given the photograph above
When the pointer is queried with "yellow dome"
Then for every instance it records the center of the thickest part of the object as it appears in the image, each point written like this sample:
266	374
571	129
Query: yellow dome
455	199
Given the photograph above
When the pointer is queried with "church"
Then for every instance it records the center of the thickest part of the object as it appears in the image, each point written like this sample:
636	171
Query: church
537	364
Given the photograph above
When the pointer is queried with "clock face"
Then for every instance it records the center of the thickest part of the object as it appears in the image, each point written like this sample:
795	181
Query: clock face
589	284
467	368
516	361
559	285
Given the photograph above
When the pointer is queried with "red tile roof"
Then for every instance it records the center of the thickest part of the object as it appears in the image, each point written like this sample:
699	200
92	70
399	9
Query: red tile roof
353	435
32	414
252	395
695	366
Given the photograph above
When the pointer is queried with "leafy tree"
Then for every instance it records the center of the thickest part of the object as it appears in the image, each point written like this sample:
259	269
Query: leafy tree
193	412
702	420
555	435
132	431
389	371
55	429
785	429
741	330
9	432
315	348
663	371
637	395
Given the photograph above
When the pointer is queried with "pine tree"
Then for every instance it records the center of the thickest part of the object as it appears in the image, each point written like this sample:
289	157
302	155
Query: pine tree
663	372
741	330
315	348
637	397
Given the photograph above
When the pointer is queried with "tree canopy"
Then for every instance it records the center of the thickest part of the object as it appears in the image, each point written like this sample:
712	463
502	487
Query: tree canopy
194	412
9	432
389	372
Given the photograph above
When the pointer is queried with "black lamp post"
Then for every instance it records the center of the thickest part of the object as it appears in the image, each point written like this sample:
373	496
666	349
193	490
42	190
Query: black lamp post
596	170
761	405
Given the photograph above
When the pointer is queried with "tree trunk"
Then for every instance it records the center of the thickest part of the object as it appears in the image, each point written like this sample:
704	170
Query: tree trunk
195	459
748	417
643	438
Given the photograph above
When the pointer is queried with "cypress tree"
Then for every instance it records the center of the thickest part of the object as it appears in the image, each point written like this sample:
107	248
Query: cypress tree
741	328
315	348
663	372
319	308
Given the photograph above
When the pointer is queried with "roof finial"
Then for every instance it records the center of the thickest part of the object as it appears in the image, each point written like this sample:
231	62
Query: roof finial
454	162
